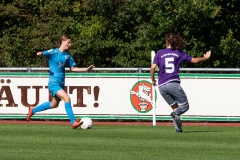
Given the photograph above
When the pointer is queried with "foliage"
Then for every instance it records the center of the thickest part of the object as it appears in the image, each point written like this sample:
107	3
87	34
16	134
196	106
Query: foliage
118	33
230	50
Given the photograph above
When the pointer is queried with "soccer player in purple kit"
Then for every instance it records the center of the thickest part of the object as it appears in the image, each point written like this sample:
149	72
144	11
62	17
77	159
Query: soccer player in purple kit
58	58
169	61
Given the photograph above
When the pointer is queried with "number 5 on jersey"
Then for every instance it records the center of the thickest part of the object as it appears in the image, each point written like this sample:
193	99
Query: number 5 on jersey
169	65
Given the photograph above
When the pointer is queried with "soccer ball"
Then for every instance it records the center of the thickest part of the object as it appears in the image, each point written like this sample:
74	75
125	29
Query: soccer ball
87	123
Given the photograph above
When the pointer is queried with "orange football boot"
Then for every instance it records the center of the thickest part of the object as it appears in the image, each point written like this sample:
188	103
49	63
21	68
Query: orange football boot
29	115
77	123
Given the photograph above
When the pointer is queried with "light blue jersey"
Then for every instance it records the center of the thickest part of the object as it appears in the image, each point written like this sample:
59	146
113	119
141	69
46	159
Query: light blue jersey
57	62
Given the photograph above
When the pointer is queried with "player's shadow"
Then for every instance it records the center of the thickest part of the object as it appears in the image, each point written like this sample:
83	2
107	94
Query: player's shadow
198	131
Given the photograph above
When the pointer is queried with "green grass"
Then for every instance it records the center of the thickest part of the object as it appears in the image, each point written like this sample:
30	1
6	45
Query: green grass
102	142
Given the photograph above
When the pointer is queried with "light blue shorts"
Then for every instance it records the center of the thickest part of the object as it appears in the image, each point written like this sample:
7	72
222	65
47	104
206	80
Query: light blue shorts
54	88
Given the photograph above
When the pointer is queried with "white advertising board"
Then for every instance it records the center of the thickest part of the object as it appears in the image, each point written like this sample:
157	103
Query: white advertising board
120	96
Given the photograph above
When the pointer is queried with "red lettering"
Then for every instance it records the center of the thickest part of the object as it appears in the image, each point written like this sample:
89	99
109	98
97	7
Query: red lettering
24	94
80	94
8	97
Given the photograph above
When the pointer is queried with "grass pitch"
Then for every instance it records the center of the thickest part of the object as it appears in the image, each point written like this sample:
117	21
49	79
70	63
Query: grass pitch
102	142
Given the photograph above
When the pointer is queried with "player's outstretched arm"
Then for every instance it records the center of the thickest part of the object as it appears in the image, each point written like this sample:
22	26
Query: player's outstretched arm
201	59
39	53
76	69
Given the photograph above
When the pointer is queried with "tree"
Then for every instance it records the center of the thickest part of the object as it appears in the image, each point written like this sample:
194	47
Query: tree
118	33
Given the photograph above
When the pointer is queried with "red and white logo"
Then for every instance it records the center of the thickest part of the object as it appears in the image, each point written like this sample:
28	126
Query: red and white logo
141	96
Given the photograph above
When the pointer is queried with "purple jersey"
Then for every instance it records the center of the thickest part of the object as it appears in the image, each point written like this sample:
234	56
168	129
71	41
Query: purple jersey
169	62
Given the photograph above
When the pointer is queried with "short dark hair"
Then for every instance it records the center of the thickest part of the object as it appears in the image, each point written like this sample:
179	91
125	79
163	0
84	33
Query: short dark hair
64	37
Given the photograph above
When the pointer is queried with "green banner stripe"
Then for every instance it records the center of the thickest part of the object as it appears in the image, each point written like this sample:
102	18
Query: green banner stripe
127	75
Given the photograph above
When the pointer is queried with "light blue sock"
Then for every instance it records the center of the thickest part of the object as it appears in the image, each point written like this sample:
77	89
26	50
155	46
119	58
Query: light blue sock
68	108
42	107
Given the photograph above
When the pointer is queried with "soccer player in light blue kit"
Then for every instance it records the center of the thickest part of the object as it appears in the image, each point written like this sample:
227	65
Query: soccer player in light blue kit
58	58
169	62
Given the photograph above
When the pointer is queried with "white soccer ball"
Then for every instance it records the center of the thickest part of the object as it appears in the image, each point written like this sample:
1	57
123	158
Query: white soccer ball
87	123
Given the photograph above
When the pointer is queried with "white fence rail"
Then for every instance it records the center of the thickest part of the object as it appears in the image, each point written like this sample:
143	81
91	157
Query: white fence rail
32	69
